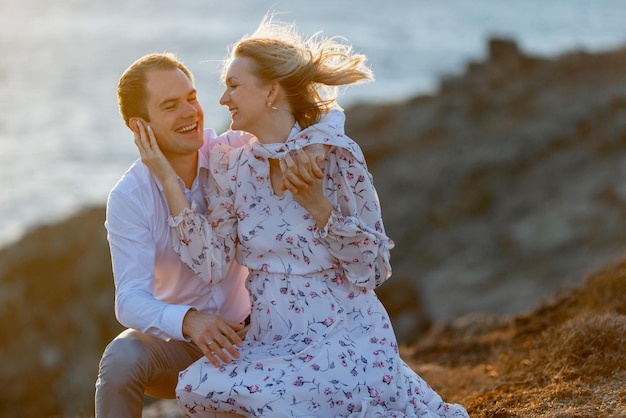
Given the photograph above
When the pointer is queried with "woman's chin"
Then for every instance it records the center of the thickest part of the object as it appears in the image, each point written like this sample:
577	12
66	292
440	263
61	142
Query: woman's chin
234	125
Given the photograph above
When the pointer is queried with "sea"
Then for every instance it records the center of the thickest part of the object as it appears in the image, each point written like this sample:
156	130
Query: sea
63	144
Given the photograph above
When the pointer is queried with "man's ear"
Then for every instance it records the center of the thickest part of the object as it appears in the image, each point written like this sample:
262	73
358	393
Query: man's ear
132	124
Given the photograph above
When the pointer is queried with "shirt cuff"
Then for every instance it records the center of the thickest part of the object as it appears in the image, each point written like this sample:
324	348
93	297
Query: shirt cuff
173	320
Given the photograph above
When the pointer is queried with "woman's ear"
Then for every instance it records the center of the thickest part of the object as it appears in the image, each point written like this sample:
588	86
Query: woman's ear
274	92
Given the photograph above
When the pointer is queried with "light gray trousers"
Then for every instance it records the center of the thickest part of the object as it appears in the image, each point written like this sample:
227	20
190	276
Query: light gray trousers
134	364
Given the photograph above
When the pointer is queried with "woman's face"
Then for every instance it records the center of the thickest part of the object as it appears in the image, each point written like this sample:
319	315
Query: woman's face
246	96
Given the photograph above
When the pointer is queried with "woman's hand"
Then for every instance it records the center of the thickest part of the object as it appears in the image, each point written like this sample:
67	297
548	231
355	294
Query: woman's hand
151	154
302	176
152	157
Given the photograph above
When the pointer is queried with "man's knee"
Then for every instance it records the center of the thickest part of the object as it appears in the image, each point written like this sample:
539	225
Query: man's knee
124	359
122	378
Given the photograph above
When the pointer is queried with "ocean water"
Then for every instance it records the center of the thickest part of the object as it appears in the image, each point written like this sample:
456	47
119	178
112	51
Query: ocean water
63	144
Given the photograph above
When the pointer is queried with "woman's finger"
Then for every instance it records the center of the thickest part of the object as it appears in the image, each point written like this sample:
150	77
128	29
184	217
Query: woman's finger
316	168
137	136
298	168
317	154
137	141
151	138
145	144
286	184
143	140
304	167
291	180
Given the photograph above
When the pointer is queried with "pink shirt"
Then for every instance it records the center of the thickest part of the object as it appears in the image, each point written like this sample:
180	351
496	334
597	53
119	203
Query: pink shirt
154	289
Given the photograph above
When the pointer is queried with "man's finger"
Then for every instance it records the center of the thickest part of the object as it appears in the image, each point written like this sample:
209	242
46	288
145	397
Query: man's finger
211	355
227	342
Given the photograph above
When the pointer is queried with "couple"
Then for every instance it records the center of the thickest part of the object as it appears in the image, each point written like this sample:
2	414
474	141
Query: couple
283	226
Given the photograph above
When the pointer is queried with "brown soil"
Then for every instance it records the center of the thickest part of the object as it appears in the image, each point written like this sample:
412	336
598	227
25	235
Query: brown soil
567	358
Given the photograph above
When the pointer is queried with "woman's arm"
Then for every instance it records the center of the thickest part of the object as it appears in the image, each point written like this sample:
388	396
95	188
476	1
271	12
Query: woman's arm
152	157
198	245
347	212
355	232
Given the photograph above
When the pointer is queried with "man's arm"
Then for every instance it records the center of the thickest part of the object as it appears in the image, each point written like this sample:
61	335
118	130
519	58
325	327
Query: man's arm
133	254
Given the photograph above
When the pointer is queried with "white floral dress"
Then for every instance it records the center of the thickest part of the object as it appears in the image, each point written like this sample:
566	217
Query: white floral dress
320	342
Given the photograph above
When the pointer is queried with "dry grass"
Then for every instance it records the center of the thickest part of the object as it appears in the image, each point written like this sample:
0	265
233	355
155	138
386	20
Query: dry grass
567	358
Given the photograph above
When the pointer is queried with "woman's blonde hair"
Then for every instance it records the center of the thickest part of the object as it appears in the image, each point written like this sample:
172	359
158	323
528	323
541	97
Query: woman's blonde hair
310	70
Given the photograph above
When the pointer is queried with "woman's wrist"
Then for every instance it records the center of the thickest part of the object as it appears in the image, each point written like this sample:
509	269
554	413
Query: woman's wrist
171	182
322	213
175	195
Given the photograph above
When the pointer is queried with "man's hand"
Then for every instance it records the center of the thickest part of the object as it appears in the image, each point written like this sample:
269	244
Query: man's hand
214	335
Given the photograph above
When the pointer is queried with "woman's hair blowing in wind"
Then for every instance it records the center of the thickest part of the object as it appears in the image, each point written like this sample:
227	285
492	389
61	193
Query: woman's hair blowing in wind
310	70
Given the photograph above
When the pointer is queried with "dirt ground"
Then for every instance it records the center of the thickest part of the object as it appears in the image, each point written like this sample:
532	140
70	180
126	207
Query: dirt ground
567	358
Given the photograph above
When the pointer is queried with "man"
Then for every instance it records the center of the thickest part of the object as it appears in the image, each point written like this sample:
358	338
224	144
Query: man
173	318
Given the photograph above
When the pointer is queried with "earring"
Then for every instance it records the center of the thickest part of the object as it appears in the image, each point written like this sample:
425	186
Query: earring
269	104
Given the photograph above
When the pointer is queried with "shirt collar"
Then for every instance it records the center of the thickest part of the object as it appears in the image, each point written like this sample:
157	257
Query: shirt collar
203	169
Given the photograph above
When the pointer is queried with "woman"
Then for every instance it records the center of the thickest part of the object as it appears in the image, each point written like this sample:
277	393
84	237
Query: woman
320	342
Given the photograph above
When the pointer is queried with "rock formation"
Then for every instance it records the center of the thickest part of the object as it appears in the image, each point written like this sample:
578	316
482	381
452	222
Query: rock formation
504	186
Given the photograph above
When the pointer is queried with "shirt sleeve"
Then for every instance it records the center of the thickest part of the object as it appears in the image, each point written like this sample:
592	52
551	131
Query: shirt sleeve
354	233
133	258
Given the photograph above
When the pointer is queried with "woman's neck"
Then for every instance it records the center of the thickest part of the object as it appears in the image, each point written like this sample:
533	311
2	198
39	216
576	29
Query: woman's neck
276	130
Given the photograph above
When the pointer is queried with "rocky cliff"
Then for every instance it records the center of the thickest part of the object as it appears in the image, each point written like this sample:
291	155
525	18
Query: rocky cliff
503	187
500	190
56	317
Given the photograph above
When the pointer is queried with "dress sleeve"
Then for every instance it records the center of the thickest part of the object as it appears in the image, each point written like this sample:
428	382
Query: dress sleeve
354	233
206	242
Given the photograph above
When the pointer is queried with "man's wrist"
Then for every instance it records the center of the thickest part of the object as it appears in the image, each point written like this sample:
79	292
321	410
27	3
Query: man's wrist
184	329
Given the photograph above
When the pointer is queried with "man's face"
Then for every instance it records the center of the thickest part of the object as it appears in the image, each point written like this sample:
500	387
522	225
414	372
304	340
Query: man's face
176	116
